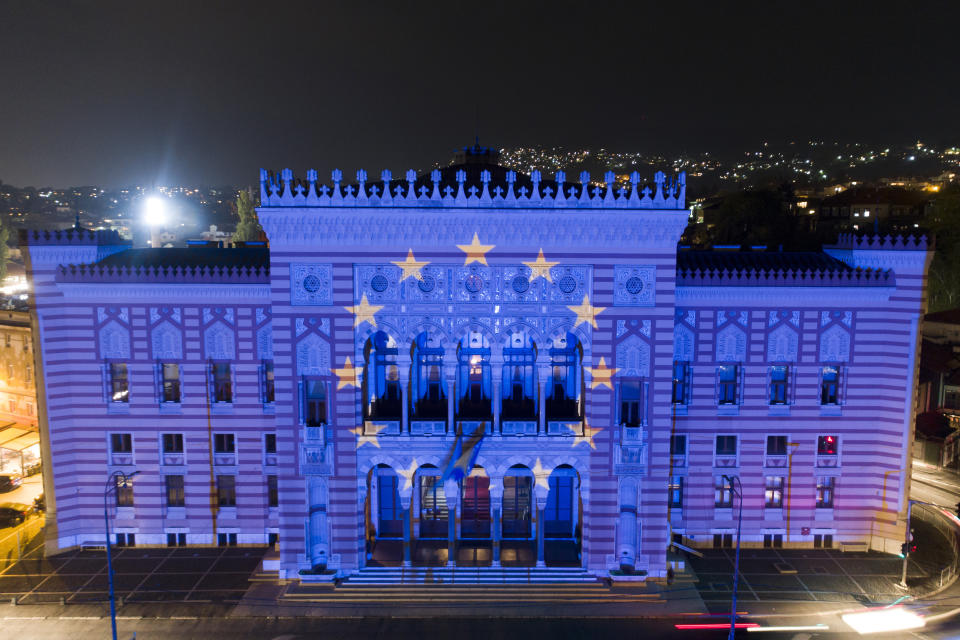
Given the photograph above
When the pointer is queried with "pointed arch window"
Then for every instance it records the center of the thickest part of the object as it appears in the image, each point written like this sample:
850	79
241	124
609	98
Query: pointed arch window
428	392
474	382
382	379
564	392
519	384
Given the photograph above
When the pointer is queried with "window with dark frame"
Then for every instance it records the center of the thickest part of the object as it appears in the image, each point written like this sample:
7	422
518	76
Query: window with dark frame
124	493
726	445
222	382
722	493
172	442
678	445
269	386
778	384
121	443
825	488
773	493
119	382
727	393
631	403
227	491
171	382
270	443
676	492
224	443
776	445
829	385
681	381
314	402
827	445
273	493
175	491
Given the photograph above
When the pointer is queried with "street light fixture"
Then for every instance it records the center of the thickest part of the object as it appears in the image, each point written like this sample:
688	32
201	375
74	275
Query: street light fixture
116	480
734	482
154	216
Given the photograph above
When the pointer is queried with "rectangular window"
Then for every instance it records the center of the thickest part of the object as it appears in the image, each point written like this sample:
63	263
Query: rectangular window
175	496
681	381
119	384
224	443
631	403
226	539
314	402
171	382
778	384
825	487
722	493
722	540
121	443
273	493
173	443
227	491
176	539
222	382
829	386
727	393
726	445
125	494
774	540
676	492
773	495
776	445
678	445
823	541
269	388
827	445
270	443
126	540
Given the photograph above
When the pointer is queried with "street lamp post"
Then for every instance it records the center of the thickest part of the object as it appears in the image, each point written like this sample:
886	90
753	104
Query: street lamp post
734	483
116	480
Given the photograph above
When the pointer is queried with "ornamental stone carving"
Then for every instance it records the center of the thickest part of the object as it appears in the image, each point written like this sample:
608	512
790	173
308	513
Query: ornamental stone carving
310	284
219	343
782	344
167	342
835	344
633	357
731	344
634	286
114	342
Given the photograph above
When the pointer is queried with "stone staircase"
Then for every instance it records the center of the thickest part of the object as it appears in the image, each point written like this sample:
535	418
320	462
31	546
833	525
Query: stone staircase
469	576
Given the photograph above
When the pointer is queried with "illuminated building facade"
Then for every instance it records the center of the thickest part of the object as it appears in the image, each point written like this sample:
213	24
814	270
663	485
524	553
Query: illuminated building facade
310	395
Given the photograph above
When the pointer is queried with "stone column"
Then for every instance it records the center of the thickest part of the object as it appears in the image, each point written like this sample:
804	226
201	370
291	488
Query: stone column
407	526
403	364
450	373
495	402
627	529
318	544
543	375
452	491
541	503
496	506
362	508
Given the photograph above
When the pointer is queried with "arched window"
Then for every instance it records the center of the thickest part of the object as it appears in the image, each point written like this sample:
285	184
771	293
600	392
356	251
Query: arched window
473	378
564	393
428	393
519	385
381	379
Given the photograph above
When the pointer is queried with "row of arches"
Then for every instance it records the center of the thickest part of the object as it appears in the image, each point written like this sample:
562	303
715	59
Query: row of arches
418	519
462	379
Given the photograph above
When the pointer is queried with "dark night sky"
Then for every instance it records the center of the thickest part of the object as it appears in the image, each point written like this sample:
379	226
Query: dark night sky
207	92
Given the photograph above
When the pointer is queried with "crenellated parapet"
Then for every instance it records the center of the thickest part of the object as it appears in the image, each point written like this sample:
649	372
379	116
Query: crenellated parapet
785	277
70	237
869	242
98	273
284	190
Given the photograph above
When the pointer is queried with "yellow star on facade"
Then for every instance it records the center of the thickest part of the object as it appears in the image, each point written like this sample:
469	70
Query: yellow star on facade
540	267
407	475
364	312
601	375
586	312
368	438
410	266
348	376
541	475
588	434
475	251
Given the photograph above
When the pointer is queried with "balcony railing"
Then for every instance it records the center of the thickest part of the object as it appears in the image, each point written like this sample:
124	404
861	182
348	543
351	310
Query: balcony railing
172	459
519	428
428	427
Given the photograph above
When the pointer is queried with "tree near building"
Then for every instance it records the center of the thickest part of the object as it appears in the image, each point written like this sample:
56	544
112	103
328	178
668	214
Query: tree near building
248	227
944	278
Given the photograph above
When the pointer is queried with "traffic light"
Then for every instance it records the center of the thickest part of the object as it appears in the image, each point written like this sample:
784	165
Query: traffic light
904	549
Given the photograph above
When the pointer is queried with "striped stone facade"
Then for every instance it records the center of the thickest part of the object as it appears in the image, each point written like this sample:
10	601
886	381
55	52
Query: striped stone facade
490	272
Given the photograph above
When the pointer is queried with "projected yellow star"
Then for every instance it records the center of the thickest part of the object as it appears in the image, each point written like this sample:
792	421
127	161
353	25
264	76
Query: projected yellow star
586	312
541	475
475	251
411	266
368	438
540	267
588	434
348	376
601	375
364	312
407	475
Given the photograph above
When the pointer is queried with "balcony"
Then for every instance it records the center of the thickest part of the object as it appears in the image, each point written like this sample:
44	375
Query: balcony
470	426
519	428
313	434
678	461
428	427
631	434
382	427
564	428
630	459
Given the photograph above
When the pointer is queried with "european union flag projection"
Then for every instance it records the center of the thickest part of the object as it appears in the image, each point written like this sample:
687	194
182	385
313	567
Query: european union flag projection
463	454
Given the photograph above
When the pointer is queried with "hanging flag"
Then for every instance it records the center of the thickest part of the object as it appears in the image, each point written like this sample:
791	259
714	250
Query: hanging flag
463	454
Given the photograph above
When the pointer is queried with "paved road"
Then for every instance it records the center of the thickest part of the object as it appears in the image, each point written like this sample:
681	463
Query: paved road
29	489
938	487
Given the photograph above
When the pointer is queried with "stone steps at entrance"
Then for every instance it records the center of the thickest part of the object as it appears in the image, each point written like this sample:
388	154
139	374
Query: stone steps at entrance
470	575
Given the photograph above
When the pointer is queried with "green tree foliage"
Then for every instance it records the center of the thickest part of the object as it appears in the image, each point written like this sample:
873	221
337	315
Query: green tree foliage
248	227
943	285
761	217
4	249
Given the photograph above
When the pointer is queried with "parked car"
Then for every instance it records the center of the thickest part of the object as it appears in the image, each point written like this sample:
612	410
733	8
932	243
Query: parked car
9	481
13	513
39	504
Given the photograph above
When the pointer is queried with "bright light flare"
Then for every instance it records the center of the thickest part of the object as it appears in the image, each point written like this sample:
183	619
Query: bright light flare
154	211
883	620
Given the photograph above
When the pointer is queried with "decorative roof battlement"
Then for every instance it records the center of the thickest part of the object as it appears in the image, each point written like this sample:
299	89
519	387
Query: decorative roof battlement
99	273
285	191
871	242
784	278
72	236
